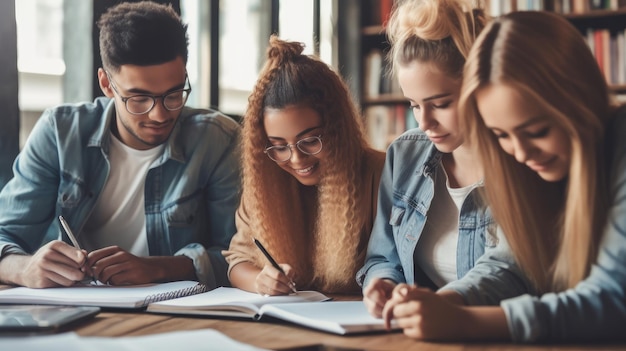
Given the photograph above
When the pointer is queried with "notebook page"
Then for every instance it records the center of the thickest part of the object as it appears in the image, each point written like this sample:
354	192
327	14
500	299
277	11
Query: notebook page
194	340
96	295
339	317
224	299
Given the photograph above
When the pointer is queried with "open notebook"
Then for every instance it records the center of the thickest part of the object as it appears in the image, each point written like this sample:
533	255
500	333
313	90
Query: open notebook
229	302
307	308
109	296
338	317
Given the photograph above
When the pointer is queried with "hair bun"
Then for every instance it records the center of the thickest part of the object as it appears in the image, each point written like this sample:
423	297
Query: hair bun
283	50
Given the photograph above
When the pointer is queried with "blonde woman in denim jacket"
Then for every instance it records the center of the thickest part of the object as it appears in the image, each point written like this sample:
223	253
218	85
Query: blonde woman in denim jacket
430	226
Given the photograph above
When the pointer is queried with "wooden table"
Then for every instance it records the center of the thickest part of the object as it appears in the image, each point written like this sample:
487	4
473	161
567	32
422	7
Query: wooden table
277	336
281	336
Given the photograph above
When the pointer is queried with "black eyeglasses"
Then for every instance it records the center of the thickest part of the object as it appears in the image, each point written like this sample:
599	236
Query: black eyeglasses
143	103
282	153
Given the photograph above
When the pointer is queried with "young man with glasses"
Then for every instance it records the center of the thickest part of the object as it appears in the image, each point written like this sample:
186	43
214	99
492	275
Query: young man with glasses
149	187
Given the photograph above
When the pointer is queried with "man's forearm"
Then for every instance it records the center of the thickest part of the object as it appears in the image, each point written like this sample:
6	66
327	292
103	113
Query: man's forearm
11	267
173	268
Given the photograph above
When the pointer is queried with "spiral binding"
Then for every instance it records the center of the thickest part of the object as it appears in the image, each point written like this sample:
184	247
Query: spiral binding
197	289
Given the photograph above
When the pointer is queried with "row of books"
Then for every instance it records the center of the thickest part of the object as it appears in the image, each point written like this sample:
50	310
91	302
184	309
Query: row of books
609	48
584	6
499	7
384	123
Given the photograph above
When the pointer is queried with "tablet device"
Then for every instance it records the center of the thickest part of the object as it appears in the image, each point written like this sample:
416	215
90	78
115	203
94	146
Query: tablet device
29	319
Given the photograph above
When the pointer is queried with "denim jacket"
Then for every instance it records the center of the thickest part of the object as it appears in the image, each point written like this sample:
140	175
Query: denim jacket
406	190
594	310
192	188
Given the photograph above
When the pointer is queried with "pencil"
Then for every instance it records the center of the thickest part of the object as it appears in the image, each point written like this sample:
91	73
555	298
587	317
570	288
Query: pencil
274	264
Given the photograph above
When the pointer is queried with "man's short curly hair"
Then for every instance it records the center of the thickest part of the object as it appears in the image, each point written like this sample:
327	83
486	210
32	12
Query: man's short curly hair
142	33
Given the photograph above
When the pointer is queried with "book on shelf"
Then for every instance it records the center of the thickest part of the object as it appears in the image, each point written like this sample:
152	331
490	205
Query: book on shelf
310	309
378	120
378	12
102	295
610	53
373	69
383	123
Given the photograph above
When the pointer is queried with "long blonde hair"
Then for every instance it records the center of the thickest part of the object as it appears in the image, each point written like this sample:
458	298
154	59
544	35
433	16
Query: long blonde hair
322	250
437	31
553	228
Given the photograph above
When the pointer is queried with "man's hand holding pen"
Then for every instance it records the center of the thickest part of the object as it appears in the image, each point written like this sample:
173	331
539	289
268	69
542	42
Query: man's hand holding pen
85	266
54	264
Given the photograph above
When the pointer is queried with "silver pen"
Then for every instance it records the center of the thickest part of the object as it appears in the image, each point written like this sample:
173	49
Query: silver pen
69	233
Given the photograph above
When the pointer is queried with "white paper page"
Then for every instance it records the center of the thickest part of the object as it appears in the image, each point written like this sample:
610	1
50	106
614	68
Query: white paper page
94	295
195	340
341	317
60	342
234	296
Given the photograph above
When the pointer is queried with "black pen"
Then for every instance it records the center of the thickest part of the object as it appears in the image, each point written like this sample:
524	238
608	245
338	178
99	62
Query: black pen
274	264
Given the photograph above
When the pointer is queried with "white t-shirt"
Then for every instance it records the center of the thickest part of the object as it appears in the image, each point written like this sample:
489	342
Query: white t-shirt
119	215
436	249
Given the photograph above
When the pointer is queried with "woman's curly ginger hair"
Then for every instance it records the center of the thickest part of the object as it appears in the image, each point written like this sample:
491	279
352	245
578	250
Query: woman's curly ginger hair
323	249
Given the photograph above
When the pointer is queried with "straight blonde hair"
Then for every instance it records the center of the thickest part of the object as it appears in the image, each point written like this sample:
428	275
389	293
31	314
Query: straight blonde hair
553	228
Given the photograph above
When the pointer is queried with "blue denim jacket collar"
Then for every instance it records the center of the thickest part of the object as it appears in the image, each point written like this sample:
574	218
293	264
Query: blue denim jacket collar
432	162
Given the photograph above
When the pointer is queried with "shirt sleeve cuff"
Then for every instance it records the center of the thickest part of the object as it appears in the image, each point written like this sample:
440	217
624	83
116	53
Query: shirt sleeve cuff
8	249
201	263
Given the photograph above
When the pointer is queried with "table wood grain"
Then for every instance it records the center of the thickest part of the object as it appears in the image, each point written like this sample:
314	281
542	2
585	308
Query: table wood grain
277	336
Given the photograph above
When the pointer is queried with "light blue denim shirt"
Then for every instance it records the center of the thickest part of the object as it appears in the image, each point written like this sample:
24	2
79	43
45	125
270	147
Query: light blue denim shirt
406	191
595	310
192	189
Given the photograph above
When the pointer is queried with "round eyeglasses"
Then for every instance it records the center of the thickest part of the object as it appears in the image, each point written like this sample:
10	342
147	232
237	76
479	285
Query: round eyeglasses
282	153
144	103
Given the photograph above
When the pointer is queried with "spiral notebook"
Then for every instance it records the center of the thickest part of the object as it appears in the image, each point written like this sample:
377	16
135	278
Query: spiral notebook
107	296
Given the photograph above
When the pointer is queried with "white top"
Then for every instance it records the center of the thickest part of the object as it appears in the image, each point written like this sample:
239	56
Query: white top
119	216
437	246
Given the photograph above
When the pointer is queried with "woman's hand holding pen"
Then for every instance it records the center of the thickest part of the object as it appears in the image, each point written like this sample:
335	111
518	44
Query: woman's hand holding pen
424	314
54	264
271	281
276	279
376	294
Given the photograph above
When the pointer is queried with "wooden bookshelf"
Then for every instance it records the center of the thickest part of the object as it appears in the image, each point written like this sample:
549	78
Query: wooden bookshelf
366	32
385	110
602	25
